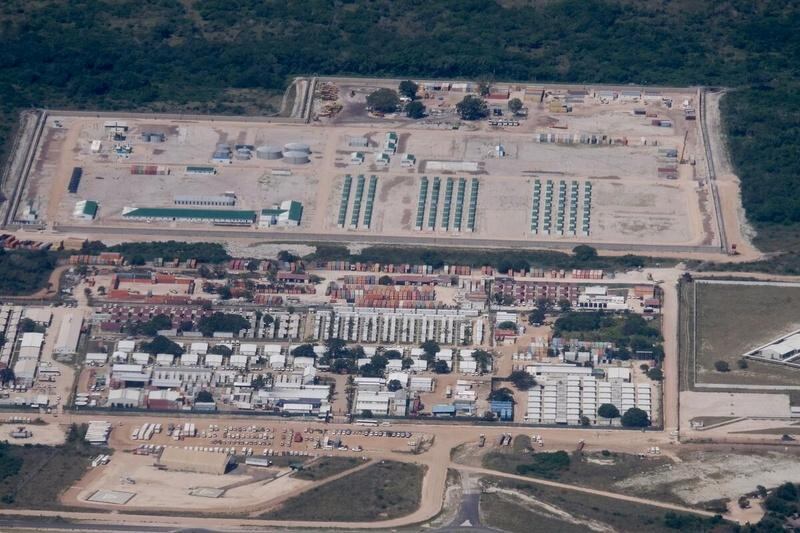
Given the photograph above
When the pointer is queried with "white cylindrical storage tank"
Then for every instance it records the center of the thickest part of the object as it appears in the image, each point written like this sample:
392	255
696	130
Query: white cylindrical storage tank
297	147
296	158
269	152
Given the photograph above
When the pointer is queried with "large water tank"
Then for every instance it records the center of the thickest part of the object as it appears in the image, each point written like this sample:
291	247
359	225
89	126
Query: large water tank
295	157
297	147
269	152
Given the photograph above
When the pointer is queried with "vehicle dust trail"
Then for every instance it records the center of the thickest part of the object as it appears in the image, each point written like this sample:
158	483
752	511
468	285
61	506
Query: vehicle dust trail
556	512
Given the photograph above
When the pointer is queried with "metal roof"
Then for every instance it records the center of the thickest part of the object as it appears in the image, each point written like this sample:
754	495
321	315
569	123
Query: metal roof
207	214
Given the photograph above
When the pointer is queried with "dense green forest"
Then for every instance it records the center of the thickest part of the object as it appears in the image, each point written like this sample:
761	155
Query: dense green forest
24	271
233	56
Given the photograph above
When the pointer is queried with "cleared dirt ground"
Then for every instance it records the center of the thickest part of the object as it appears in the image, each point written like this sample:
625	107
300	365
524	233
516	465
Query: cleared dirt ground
631	204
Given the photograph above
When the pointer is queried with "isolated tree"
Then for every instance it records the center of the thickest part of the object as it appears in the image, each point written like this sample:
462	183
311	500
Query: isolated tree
26	325
584	253
608	410
335	348
431	348
742	363
204	396
440	367
304	350
383	101
6	375
385	280
287	256
514	105
655	374
221	349
407	363
536	317
408	88
394	385
522	380
502	395
635	418
161	344
483	360
507	324
585	422
392	354
415	109
472	108
156	324
484	87
722	366
565	305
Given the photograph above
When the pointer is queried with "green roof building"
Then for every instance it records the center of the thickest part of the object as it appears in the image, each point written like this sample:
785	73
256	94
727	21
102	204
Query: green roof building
85	210
289	213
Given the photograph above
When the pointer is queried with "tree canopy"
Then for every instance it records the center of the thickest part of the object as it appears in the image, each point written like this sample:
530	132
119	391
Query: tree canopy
472	108
161	344
635	418
224	322
522	380
415	109
383	100
408	89
608	410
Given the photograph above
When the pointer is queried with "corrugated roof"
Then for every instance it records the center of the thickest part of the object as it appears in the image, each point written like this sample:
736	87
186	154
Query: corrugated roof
90	208
209	214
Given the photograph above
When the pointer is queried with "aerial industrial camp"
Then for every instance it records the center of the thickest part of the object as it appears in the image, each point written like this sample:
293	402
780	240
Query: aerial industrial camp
621	166
399	266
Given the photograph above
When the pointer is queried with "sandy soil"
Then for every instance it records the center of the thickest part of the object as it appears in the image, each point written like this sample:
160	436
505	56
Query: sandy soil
709	476
647	211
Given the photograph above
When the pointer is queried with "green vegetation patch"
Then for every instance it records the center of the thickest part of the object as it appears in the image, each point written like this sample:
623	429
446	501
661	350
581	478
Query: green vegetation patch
630	333
732	319
34	476
140	252
384	490
503	260
24	271
327	467
529	508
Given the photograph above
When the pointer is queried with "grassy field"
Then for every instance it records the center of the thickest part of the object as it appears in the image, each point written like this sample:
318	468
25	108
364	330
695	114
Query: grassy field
327	467
598	470
733	319
44	472
536	509
384	490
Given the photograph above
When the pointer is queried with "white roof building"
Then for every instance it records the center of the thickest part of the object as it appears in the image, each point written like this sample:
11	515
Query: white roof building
32	340
126	346
248	349
141	358
126	397
277	361
189	359
377	402
69	333
783	349
213	360
165	359
239	361
303	362
96	357
199	348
